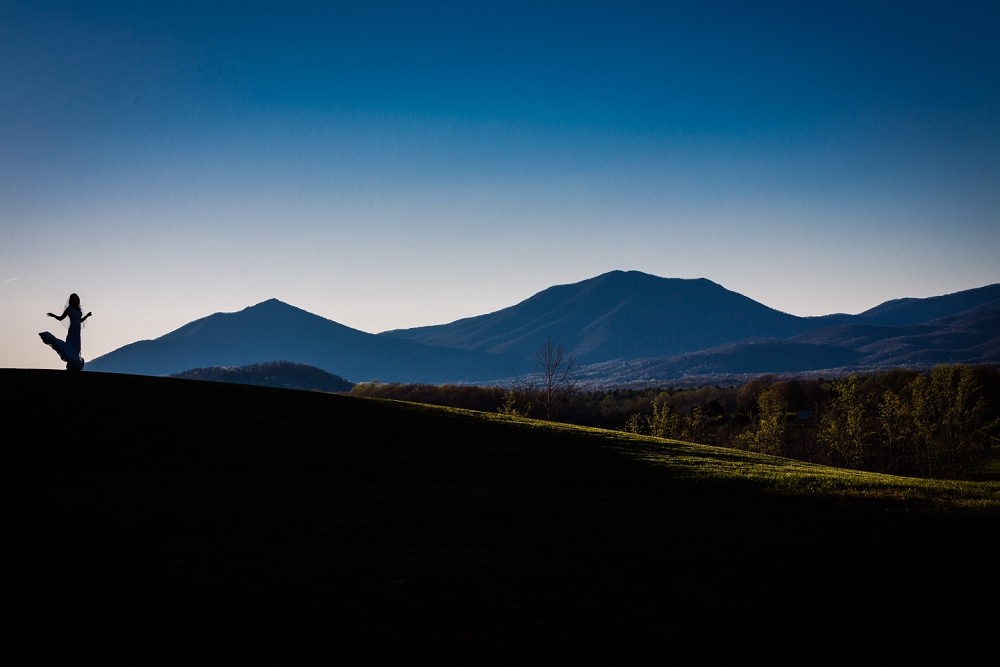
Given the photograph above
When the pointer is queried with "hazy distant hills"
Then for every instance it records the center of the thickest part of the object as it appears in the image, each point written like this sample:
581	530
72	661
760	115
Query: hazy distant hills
274	330
902	312
631	315
620	315
971	338
621	326
742	358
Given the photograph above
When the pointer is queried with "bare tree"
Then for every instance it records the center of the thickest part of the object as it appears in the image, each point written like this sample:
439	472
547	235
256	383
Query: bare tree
555	376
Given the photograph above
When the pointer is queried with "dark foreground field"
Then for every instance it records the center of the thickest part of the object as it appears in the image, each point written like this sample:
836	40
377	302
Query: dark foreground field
165	513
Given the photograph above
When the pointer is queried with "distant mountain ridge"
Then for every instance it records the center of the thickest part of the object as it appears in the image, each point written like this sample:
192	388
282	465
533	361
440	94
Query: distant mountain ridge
632	315
620	315
968	338
273	330
903	312
617	324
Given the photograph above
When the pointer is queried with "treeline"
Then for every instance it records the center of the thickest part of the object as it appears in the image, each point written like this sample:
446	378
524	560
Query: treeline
939	424
610	409
486	399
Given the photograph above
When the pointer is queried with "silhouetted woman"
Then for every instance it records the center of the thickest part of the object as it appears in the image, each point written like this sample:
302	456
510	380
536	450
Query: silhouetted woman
69	351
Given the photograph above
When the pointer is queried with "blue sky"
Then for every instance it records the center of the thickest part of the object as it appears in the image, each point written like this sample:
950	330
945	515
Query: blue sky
405	164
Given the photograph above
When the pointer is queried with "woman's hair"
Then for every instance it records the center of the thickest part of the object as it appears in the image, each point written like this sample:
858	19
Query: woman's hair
74	301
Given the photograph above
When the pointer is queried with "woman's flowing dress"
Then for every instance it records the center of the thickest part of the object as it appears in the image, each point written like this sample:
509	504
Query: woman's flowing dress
68	350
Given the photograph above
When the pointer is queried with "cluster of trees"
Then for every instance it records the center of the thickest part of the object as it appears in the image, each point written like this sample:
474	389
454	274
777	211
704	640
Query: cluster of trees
285	374
542	395
939	424
603	409
486	399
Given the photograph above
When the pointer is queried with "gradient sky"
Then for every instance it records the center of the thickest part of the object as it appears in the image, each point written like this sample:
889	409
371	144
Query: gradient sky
407	164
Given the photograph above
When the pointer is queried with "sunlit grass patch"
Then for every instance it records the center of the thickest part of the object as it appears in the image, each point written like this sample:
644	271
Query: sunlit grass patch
760	473
783	476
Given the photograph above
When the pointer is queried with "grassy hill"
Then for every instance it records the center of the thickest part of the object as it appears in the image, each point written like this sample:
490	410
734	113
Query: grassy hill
290	523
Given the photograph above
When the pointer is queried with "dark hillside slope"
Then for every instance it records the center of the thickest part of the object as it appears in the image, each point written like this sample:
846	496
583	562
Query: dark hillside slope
903	312
970	337
274	330
620	315
285	524
858	335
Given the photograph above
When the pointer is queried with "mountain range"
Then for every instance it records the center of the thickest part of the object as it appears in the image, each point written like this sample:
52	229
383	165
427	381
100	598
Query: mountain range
275	331
620	326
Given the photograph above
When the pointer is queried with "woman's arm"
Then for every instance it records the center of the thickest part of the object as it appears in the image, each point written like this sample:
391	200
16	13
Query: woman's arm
82	319
59	317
